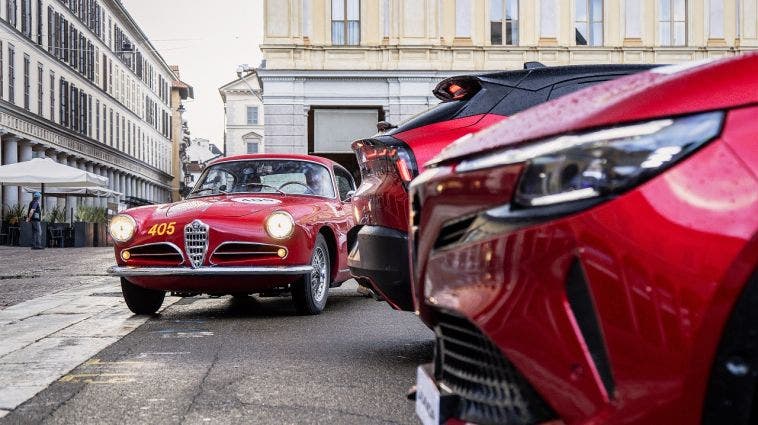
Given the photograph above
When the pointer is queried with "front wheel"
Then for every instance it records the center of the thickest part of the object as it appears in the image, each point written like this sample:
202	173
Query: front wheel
141	300
310	292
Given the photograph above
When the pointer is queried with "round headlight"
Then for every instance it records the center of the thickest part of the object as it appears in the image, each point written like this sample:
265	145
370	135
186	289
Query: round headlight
280	225
122	228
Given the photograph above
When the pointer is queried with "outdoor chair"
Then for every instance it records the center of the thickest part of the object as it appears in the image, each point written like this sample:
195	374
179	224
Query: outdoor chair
14	232
55	237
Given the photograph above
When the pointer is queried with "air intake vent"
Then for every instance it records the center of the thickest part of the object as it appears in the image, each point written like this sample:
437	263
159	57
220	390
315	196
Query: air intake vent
490	388
196	242
452	233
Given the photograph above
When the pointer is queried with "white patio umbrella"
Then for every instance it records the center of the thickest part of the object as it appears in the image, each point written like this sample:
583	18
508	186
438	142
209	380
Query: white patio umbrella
95	192
47	173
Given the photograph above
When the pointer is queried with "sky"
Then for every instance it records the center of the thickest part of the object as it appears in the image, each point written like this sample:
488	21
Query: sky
207	40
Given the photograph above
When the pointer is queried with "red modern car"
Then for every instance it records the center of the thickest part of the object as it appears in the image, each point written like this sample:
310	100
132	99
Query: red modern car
390	160
263	223
595	259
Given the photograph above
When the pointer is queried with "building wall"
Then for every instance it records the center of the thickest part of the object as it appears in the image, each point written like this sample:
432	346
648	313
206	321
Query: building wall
238	132
137	157
407	46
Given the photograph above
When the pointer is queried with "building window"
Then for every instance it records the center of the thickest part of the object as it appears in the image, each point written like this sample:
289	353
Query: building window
11	74
52	96
252	147
588	23
252	115
346	24
463	18
26	18
27	82
716	18
11	11
1	69
64	102
504	22
40	83
672	22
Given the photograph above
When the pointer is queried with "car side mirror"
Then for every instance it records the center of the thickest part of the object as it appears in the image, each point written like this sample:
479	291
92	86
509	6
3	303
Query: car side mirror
349	196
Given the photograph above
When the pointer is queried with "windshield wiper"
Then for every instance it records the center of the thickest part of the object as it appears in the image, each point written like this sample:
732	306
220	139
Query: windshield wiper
205	190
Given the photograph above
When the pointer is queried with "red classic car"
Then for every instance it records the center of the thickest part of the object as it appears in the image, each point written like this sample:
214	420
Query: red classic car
253	224
598	264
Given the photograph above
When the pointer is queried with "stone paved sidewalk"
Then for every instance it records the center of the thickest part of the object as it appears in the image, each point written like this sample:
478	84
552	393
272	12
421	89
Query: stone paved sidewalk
46	337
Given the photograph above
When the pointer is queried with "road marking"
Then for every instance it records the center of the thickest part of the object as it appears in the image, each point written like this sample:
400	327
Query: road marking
99	378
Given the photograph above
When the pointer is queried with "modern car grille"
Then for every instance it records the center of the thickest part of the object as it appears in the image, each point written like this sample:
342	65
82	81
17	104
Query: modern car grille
490	389
196	242
415	221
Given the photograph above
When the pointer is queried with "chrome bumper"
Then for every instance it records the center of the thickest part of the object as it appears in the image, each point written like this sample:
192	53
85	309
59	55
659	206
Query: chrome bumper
208	271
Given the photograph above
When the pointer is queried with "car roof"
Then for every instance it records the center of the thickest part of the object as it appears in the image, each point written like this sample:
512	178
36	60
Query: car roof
667	91
538	78
259	156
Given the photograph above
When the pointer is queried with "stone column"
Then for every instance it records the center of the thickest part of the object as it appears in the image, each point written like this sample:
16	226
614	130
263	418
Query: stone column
61	158
71	201
25	154
10	156
90	168
49	201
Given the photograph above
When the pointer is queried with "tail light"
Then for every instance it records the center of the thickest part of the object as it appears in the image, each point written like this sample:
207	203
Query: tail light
376	158
457	88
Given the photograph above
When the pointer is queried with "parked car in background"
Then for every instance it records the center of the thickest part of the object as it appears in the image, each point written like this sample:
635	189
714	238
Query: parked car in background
598	264
273	224
389	161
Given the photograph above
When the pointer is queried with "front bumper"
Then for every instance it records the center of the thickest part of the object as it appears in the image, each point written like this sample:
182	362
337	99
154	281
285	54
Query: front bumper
380	256
208	271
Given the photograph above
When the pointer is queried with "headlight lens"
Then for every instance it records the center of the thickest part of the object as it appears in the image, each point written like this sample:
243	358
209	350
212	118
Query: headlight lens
122	228
280	225
575	167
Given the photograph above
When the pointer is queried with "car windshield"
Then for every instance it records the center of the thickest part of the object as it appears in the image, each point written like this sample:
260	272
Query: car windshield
278	176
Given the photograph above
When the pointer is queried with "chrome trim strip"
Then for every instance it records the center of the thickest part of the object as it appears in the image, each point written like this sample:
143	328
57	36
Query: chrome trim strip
208	271
176	248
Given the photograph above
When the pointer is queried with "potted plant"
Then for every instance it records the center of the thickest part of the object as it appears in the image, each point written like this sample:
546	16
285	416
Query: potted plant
14	216
84	226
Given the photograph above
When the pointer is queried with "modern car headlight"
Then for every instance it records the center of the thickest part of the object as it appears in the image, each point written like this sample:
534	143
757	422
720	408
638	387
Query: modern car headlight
280	225
122	228
602	162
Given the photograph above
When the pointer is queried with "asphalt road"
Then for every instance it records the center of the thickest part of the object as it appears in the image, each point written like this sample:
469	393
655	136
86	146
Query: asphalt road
221	360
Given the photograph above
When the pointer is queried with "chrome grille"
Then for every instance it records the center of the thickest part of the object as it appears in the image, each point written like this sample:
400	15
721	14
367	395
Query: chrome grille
490	388
196	242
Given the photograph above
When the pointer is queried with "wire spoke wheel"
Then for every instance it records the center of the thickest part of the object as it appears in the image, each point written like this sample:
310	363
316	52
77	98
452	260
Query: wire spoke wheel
319	274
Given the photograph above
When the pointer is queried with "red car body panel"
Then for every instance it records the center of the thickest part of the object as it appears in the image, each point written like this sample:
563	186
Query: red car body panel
239	217
665	262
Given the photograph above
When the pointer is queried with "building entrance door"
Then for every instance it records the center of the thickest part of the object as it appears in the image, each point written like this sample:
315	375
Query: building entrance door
333	129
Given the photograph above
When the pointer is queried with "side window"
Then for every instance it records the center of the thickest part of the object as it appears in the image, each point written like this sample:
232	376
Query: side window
519	99
567	87
345	182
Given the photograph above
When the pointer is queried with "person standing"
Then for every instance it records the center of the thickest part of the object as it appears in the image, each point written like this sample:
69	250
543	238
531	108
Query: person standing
35	217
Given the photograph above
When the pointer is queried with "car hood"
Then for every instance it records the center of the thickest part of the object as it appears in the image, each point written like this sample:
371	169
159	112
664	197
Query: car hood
219	207
671	90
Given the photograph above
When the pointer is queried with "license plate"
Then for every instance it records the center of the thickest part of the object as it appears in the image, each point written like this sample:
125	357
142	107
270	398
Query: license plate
427	398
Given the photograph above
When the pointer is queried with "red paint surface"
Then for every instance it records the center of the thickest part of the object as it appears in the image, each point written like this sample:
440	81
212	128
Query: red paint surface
665	262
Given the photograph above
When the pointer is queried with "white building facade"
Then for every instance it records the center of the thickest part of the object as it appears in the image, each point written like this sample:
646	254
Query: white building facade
243	116
82	85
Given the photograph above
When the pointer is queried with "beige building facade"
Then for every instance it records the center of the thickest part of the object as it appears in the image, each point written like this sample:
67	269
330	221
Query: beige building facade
327	60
